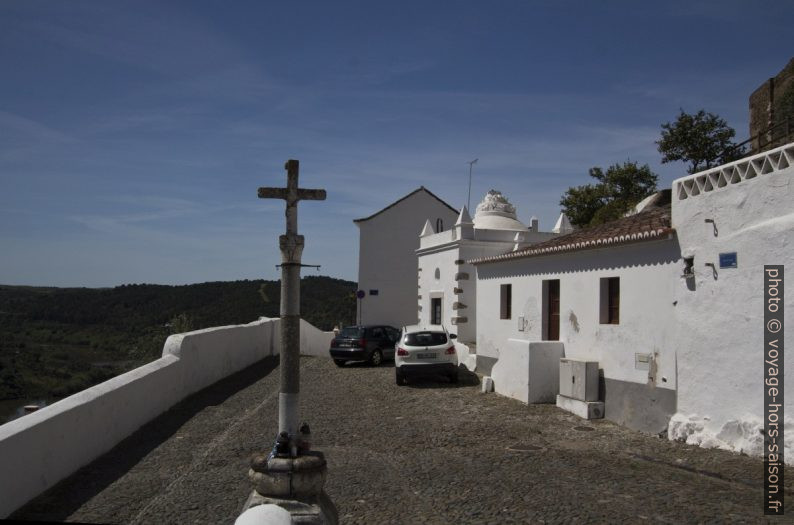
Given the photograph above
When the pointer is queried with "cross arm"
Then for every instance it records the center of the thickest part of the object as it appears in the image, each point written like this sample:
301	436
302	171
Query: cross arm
311	195
283	193
272	193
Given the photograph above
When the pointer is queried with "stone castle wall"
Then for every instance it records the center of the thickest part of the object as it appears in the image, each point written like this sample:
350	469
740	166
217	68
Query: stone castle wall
767	108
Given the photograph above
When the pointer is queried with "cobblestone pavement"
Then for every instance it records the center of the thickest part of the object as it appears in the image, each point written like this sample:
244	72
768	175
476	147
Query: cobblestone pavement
430	452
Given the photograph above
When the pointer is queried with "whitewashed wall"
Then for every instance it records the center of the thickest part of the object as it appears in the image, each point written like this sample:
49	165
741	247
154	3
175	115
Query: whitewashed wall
443	257
314	342
40	449
387	258
720	317
648	272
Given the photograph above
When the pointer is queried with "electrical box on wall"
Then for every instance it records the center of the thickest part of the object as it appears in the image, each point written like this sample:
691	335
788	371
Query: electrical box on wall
642	361
579	379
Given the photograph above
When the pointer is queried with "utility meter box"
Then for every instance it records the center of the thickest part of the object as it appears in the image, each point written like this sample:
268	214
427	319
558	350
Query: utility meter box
579	379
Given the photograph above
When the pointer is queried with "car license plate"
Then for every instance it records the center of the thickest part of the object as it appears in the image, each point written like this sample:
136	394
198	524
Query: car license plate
426	356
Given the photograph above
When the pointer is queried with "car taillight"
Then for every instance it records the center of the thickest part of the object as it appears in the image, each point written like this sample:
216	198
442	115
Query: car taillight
450	350
362	343
402	351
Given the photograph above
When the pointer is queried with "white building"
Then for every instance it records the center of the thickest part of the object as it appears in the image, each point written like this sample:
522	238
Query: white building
447	284
606	293
387	256
669	301
741	212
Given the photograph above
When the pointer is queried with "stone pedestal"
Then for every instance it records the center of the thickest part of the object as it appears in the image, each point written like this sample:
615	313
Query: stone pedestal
294	484
583	409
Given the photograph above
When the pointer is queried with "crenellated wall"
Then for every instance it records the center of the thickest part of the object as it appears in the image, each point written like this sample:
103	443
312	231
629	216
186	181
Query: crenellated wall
744	208
42	448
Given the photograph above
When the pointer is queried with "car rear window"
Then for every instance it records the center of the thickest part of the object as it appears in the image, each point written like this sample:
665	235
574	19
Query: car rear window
425	338
352	332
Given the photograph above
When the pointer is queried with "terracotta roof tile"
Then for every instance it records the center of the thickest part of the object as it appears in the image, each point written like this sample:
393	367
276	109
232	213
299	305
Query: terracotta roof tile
653	224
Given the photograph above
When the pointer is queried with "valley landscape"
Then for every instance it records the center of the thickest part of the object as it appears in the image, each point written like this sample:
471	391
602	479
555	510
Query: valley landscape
55	342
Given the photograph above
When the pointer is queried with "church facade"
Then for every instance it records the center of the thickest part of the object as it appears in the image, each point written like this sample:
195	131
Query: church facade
388	240
447	281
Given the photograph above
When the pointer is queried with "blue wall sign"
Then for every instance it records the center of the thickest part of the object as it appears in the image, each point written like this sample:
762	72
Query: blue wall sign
728	260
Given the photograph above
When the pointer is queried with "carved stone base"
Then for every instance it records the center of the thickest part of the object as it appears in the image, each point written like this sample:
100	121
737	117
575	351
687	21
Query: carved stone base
294	484
288	477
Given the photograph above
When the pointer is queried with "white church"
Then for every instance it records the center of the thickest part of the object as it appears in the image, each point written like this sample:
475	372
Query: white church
386	259
447	284
659	315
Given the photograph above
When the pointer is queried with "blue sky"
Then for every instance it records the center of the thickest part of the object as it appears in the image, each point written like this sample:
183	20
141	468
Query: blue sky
133	135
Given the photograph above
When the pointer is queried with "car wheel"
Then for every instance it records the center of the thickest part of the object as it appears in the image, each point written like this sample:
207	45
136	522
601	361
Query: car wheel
400	378
339	362
376	358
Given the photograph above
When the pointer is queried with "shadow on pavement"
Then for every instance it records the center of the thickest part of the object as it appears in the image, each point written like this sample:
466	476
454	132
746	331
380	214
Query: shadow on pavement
67	496
387	363
465	379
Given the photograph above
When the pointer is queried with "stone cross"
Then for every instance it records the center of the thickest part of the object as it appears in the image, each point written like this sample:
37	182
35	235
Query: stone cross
291	246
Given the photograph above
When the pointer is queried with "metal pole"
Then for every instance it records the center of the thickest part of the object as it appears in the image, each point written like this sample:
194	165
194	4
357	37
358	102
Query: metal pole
468	200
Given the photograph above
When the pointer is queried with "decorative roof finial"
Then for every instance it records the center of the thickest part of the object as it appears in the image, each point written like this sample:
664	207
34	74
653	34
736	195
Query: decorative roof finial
495	201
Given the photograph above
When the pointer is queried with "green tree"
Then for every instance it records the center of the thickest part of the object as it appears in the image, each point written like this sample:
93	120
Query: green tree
181	323
703	140
617	190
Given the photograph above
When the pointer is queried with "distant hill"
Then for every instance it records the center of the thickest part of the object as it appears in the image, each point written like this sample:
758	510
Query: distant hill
57	341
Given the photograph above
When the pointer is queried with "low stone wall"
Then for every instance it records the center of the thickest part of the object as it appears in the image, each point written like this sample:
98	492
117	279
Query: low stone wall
40	449
314	342
465	357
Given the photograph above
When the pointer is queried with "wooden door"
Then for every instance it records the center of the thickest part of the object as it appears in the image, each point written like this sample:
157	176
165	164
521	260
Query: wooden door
553	328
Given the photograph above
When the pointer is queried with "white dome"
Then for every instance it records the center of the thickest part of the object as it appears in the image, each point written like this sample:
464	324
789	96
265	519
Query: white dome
496	213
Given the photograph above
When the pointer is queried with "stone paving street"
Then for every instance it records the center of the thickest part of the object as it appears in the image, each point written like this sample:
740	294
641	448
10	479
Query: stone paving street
431	452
